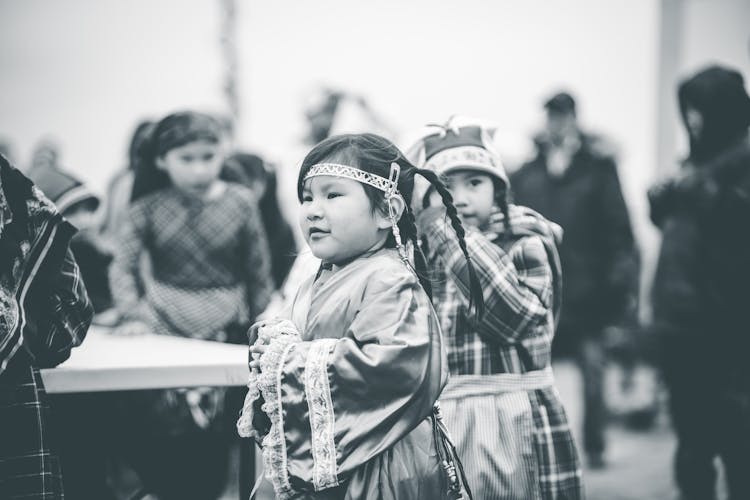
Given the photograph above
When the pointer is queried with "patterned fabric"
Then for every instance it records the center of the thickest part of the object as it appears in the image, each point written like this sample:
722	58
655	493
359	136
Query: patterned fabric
520	277
210	274
29	467
43	300
45	312
349	407
202	254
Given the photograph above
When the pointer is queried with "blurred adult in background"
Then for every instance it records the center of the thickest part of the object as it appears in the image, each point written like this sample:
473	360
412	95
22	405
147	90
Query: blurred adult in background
44	313
573	181
700	291
210	278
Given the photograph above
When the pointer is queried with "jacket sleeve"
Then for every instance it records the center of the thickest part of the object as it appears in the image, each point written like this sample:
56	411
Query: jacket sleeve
516	286
71	312
335	403
58	316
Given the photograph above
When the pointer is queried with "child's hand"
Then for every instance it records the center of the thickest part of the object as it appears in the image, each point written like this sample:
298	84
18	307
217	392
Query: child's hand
132	329
253	332
256	351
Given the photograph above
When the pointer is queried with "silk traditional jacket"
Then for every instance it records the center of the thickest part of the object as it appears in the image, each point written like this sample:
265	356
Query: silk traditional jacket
352	416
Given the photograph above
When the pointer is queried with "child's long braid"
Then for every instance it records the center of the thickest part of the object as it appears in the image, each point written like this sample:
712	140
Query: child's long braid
420	262
476	297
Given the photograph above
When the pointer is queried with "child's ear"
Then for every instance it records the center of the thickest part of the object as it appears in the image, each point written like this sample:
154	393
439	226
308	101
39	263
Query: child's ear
160	163
382	217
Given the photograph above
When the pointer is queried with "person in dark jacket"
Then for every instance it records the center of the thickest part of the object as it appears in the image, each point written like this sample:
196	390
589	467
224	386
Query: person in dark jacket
700	294
44	313
573	181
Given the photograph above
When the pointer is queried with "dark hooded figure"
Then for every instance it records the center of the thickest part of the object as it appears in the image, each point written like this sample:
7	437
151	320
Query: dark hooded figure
700	293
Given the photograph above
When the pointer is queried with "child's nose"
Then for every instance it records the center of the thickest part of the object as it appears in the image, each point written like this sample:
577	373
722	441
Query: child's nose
459	198
312	211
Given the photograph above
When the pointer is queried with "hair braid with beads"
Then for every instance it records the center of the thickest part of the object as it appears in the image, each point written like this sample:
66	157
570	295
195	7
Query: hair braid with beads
450	210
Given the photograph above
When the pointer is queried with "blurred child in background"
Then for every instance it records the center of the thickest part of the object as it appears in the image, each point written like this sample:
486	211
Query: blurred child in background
210	277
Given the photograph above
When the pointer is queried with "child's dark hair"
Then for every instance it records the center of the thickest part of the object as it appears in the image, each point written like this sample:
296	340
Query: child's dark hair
373	153
139	139
173	131
246	168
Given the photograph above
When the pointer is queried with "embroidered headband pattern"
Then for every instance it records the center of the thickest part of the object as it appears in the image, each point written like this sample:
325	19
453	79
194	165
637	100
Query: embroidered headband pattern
388	186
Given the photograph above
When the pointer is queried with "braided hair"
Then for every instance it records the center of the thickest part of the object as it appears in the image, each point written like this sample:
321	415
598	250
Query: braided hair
375	154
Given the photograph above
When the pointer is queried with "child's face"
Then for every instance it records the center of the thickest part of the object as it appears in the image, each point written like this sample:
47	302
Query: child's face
338	221
193	167
473	195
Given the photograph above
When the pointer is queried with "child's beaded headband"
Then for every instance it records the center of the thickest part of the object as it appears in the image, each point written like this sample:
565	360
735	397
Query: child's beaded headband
388	186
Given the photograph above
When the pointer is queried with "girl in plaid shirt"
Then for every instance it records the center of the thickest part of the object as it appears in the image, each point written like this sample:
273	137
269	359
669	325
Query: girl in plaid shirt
500	403
209	277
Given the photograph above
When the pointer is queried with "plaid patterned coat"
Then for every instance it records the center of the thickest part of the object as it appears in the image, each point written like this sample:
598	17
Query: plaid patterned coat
45	313
521	281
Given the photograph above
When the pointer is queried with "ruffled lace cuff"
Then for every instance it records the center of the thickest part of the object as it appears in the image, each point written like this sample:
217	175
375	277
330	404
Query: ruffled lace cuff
280	338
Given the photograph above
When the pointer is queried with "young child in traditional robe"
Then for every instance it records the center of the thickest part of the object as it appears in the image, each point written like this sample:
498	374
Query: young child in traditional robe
343	385
501	404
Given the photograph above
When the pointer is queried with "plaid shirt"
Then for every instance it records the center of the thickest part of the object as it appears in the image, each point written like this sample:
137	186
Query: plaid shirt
521	283
195	248
45	313
44	297
519	287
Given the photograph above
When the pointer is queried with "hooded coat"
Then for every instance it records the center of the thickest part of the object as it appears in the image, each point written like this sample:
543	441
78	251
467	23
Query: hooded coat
700	288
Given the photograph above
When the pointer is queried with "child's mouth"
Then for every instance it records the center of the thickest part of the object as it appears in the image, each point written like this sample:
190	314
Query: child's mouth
317	233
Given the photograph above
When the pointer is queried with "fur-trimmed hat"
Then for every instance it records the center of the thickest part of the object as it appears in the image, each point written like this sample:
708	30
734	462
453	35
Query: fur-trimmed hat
449	147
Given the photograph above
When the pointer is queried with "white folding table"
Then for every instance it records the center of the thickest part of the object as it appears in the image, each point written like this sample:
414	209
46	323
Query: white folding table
105	362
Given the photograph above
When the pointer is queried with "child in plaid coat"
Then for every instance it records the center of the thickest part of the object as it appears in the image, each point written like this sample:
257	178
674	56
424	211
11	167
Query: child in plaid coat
500	403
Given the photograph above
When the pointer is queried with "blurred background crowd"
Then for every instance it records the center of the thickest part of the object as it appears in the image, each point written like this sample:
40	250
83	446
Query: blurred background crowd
603	112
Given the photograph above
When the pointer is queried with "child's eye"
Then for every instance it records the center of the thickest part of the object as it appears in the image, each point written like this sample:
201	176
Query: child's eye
306	198
330	196
475	182
208	157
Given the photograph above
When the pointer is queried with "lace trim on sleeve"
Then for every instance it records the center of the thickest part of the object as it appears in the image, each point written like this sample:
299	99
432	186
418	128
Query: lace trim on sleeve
269	385
318	392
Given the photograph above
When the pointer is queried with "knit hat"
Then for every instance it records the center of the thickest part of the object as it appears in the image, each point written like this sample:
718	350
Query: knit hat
447	148
64	190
